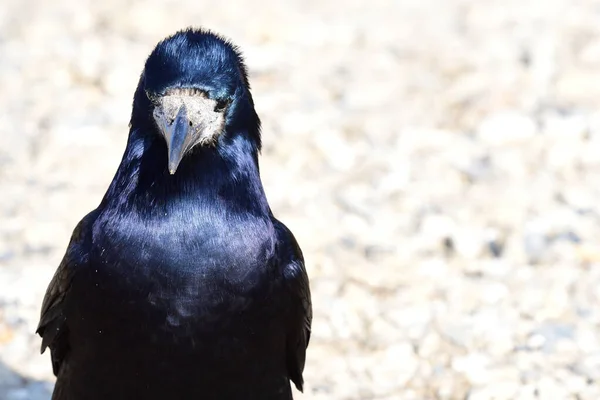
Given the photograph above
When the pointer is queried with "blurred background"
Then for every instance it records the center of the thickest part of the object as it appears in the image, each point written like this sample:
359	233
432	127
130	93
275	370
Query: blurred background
438	161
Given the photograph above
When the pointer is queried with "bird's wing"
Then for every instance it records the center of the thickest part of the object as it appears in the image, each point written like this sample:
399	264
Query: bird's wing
52	327
300	316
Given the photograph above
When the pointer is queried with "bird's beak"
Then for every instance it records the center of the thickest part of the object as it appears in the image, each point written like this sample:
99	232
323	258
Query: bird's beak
186	120
178	138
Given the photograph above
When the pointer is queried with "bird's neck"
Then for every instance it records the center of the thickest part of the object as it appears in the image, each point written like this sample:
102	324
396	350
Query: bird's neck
225	177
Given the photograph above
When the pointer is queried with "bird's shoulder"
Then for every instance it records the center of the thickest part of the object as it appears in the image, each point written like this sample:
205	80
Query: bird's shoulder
296	281
52	320
290	258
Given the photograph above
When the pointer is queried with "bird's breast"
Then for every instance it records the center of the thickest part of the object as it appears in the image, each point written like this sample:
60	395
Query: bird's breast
181	282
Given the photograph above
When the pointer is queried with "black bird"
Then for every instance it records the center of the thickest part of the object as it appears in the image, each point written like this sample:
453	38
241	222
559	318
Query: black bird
182	284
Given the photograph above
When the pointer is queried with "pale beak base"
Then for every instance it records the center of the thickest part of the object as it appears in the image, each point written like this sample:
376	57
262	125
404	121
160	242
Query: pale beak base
186	120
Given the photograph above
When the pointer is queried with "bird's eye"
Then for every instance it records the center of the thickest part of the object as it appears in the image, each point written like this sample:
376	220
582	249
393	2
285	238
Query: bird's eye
221	105
152	97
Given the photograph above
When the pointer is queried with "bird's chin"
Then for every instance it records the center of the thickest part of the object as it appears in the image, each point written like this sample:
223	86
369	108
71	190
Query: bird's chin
187	120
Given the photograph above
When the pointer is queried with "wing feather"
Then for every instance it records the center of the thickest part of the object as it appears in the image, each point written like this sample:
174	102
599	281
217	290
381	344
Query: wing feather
300	313
53	322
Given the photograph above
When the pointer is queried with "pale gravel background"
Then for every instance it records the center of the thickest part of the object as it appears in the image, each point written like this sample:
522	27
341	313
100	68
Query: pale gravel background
439	162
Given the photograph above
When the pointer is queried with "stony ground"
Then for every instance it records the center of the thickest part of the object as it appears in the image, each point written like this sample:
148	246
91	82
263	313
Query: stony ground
439	162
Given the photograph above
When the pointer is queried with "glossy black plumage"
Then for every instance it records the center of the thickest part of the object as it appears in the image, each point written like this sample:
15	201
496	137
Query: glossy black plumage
184	285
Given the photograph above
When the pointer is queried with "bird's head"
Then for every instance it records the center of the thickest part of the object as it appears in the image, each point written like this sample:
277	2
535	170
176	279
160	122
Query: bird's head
194	91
